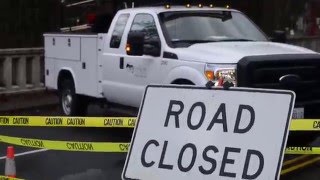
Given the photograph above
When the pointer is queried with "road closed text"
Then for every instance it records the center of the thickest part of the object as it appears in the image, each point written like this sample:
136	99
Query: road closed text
213	158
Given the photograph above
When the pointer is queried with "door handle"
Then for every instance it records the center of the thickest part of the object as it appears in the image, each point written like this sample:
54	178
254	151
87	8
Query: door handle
121	62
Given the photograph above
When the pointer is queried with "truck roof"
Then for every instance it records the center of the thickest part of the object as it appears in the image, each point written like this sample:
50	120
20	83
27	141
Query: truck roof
160	9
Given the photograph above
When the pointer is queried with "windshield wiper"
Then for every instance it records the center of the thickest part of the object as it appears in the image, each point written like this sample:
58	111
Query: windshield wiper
233	39
192	41
187	43
207	41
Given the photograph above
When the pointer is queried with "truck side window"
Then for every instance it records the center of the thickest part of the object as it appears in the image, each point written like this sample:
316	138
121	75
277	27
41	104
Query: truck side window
118	31
146	24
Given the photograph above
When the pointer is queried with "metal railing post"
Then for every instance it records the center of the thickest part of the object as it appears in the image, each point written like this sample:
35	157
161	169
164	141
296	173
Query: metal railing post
7	72
36	73
22	73
21	70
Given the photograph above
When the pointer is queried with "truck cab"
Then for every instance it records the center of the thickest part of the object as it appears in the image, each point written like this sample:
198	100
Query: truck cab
180	45
176	45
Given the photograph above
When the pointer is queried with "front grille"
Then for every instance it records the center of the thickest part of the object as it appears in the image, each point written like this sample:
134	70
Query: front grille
265	72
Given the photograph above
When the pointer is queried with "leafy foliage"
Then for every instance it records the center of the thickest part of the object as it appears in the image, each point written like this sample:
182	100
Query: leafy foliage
24	21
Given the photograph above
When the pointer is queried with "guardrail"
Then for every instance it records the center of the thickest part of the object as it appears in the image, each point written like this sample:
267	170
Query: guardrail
312	43
21	70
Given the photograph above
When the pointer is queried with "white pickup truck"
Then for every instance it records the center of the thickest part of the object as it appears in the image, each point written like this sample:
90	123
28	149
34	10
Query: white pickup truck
176	45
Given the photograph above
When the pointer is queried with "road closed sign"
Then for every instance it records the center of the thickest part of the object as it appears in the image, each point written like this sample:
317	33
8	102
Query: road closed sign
188	133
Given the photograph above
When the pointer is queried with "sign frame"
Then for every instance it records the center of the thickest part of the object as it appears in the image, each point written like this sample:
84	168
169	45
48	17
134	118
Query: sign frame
241	89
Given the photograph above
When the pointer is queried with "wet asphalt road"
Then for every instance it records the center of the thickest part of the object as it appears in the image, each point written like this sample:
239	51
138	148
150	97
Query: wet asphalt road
61	165
66	165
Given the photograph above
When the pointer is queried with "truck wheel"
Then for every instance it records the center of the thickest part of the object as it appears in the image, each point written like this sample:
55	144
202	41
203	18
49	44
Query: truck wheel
71	104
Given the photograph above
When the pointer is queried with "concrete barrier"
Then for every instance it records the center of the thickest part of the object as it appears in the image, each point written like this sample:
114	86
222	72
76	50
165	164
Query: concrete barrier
21	70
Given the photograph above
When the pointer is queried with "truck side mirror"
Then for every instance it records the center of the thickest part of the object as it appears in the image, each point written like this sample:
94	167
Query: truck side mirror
279	36
135	43
152	47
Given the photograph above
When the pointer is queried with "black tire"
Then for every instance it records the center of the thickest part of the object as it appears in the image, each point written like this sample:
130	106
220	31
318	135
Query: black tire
71	104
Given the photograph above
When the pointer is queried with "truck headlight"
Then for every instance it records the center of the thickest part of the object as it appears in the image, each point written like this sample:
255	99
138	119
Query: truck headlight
221	73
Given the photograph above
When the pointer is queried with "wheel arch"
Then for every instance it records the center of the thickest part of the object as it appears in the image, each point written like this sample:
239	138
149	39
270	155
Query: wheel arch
183	81
65	73
185	74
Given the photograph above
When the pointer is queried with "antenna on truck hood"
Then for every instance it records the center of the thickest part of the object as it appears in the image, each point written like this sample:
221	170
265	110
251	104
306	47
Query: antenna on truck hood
125	5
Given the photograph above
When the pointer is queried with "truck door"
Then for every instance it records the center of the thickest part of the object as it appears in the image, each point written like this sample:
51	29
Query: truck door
124	77
111	60
139	71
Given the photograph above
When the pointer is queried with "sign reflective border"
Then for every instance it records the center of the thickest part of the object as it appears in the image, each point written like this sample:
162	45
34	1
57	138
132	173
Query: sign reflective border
192	132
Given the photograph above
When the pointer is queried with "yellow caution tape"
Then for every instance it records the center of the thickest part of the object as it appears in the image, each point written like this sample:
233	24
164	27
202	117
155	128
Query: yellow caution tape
303	150
107	146
305	125
67	145
42	121
115	122
8	178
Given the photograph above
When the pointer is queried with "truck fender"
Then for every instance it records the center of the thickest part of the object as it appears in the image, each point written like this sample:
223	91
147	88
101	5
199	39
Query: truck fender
187	73
72	74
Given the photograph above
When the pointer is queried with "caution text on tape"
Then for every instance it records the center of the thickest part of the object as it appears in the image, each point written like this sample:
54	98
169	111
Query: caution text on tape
106	146
67	145
41	121
305	125
303	150
118	122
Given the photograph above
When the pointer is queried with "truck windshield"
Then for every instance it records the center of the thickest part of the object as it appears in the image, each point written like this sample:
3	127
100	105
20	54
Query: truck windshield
189	27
